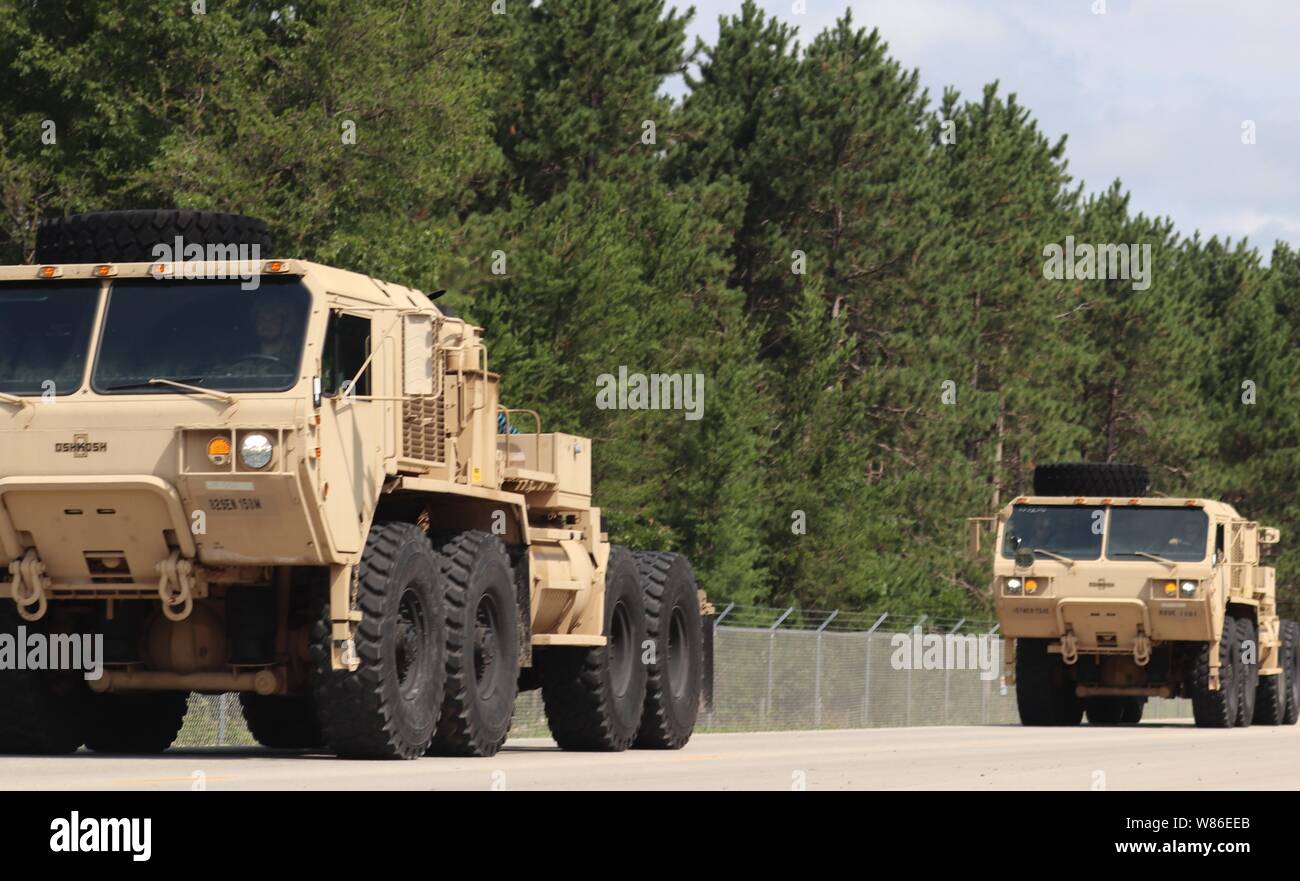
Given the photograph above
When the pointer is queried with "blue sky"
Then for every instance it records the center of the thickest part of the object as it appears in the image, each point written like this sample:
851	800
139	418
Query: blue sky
1153	92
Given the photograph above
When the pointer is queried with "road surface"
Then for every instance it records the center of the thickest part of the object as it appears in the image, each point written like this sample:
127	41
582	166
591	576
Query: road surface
1154	755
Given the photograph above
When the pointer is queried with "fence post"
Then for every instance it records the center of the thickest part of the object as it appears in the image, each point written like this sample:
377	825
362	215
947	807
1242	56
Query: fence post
916	629
947	676
817	675
771	651
725	613
866	683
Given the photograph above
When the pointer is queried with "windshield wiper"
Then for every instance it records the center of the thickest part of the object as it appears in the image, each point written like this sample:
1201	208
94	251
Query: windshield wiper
177	384
148	382
1159	559
18	402
1053	555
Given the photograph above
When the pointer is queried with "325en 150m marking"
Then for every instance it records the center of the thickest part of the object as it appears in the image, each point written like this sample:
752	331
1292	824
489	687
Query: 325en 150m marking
245	504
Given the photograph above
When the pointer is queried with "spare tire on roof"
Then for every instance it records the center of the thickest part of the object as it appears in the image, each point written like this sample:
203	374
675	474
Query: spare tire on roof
1091	479
131	236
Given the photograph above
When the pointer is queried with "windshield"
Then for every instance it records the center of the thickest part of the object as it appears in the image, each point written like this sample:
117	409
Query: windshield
1178	534
44	335
210	334
1063	530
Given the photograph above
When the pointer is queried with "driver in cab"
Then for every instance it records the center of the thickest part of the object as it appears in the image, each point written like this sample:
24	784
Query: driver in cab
272	319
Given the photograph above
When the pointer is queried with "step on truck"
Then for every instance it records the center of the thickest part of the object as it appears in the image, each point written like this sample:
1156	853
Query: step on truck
1108	595
297	483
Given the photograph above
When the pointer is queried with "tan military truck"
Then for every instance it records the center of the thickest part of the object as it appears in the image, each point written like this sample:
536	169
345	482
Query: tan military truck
1109	595
294	482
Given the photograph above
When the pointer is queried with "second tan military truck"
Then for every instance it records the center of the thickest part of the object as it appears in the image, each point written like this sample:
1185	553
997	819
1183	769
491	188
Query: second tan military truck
273	477
1109	595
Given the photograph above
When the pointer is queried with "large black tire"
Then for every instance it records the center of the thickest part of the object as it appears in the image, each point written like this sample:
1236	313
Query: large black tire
282	722
130	236
1270	699
388	707
41	712
675	673
482	668
1044	690
1091	479
1217	709
1291	666
594	697
141	723
1114	710
1248	636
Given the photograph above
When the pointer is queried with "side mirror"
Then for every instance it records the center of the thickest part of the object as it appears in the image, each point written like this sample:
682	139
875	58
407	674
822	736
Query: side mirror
974	527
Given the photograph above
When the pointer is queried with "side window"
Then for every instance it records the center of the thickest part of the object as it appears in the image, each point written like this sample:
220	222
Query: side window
1218	544
347	345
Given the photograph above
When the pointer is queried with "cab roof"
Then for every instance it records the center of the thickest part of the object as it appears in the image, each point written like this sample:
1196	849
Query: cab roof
341	285
1209	505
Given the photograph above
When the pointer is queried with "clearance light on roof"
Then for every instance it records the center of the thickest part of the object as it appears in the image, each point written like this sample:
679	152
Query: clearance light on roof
276	266
50	272
104	270
160	269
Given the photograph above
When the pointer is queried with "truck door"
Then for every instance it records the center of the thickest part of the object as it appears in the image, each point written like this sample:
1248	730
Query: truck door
350	467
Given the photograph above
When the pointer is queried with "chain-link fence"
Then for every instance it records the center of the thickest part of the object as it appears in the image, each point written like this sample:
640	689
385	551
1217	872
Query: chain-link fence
778	669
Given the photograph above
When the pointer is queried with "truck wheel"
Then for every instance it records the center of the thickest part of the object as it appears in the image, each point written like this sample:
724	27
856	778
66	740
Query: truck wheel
282	722
388	707
41	712
594	697
1248	636
1044	690
130	236
44	712
1270	699
1217	709
674	677
482	669
1091	479
1291	668
141	723
1114	710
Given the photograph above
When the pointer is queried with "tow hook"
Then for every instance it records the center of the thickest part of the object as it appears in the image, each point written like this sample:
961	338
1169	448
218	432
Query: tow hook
1142	649
30	585
1069	647
176	586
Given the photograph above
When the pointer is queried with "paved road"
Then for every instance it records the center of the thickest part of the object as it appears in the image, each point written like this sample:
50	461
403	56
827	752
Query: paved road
1156	755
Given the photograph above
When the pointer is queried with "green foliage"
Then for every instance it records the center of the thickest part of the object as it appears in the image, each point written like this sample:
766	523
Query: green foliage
856	272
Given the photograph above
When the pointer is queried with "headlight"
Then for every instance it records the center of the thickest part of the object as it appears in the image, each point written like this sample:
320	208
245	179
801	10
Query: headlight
1014	585
1188	588
255	450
